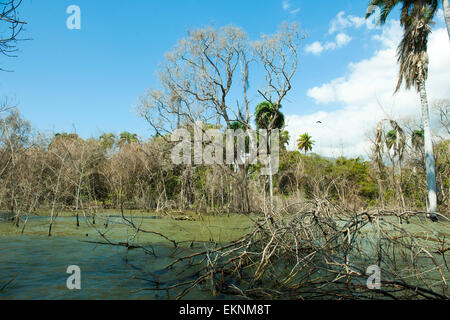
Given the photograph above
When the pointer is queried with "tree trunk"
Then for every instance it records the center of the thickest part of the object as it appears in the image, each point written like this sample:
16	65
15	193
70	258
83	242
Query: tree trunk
446	5
55	196
271	187
77	201
429	154
402	197
245	200
270	181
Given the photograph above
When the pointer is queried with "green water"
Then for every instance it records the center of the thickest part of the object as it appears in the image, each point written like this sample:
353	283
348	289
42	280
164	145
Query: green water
38	263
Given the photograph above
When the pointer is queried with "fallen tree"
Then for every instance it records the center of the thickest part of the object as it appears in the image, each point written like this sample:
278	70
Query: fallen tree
321	252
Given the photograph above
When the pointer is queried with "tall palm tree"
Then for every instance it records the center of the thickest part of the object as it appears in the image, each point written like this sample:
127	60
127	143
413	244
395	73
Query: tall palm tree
416	19
305	143
269	117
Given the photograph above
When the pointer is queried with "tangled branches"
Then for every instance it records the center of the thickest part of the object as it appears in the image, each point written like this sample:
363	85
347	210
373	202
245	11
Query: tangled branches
323	252
13	25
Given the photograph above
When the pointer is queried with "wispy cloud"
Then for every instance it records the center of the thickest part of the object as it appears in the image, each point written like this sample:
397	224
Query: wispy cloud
339	24
342	22
287	6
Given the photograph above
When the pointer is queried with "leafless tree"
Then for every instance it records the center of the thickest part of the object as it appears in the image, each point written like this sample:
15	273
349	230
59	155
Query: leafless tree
14	140
442	107
11	26
207	78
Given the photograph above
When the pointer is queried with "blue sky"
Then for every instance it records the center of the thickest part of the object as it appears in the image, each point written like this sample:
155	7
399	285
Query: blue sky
88	80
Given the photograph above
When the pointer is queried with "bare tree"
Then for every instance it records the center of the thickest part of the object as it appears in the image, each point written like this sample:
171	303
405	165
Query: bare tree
442	107
207	77
83	158
10	26
58	165
14	138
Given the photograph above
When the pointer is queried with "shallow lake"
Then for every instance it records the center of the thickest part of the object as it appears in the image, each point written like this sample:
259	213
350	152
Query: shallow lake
33	265
38	263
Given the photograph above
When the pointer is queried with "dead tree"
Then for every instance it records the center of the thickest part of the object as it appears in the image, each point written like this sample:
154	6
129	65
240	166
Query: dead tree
11	27
206	79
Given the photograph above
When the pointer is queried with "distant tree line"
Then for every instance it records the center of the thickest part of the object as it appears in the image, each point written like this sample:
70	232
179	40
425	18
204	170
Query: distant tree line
67	173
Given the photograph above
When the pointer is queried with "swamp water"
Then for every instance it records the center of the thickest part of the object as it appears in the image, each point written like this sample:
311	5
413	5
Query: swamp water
35	264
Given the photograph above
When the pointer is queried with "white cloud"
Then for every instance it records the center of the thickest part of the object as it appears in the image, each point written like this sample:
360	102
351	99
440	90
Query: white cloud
326	93
315	48
287	6
341	40
366	96
339	24
342	22
390	34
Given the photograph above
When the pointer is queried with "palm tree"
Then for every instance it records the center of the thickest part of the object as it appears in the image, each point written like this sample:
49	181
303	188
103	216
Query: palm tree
269	117
127	138
417	139
417	143
396	140
416	19
391	138
107	140
305	143
284	139
386	7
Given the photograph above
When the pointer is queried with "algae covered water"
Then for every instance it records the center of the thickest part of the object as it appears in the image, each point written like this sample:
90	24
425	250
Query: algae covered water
34	265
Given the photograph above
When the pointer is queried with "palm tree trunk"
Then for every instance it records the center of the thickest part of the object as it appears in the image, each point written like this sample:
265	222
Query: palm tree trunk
429	154
271	185
446	5
270	179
